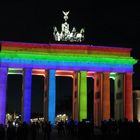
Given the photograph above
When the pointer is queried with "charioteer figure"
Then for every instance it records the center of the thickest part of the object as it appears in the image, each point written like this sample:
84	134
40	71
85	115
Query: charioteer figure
65	34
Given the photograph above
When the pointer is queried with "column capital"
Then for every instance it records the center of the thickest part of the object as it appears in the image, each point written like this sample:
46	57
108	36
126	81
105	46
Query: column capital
105	73
46	72
129	73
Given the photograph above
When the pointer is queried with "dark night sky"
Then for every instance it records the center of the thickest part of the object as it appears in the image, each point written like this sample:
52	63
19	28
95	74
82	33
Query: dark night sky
108	23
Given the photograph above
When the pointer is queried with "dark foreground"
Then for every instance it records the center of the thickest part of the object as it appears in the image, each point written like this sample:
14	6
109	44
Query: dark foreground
45	131
53	136
97	135
71	131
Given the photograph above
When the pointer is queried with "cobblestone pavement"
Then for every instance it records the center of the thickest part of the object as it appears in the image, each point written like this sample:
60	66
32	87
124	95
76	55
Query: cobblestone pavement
55	136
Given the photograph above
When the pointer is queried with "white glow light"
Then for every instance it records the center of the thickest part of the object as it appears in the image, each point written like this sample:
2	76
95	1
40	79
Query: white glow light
65	34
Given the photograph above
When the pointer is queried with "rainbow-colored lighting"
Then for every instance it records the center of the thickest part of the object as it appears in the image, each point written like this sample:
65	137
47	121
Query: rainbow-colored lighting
58	58
66	57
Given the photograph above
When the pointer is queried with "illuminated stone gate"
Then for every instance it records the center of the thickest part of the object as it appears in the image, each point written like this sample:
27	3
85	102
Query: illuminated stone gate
78	62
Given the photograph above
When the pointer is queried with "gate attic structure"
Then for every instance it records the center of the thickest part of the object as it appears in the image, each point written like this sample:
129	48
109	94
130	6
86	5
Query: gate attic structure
78	62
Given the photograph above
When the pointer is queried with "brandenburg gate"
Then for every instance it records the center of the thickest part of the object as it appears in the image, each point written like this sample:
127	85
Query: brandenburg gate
76	61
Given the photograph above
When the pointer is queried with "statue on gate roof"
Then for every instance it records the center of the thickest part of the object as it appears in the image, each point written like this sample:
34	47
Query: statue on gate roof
65	34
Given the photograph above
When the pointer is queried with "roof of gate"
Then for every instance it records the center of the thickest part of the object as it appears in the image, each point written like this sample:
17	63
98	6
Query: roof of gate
66	57
65	48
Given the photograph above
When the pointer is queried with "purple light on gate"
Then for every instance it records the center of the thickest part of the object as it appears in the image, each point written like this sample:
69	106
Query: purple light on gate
3	82
26	98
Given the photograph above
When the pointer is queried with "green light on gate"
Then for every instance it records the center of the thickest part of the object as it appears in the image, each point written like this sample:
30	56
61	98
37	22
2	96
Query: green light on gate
82	95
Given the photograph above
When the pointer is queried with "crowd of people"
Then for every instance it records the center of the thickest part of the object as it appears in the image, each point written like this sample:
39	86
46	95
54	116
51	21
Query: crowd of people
32	131
120	128
83	130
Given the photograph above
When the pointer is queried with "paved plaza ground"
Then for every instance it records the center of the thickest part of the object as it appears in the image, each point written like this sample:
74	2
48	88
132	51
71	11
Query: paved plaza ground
56	136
